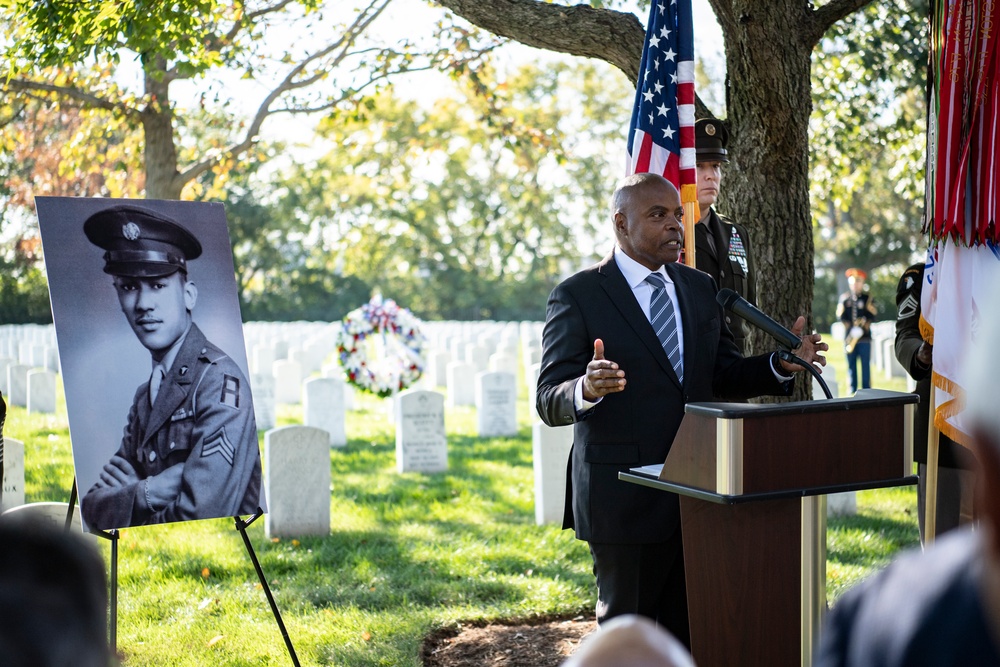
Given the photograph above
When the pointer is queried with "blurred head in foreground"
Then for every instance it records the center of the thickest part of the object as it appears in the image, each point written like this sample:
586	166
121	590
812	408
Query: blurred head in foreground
53	598
630	640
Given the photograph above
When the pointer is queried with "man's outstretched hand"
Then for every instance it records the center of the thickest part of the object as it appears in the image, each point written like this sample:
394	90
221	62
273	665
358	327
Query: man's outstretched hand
603	377
809	351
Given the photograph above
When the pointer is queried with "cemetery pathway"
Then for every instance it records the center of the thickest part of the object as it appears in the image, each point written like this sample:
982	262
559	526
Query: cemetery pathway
545	644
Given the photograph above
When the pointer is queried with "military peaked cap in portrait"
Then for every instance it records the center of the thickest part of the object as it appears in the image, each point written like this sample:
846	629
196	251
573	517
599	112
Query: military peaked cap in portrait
856	273
710	140
140	243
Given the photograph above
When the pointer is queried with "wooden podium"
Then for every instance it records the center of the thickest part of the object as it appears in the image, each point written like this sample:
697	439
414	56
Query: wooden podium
752	481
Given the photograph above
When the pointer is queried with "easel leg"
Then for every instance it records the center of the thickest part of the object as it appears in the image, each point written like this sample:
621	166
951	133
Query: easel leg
241	526
72	504
113	594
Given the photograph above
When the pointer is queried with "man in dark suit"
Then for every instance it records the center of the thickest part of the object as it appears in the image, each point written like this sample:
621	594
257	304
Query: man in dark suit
957	464
605	370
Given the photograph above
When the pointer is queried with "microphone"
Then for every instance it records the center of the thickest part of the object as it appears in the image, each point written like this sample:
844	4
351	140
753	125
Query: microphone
737	305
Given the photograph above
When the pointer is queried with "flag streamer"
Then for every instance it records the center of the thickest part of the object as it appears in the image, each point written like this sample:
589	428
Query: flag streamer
963	260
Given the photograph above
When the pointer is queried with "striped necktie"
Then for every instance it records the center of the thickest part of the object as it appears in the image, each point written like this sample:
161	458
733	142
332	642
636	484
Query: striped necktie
661	316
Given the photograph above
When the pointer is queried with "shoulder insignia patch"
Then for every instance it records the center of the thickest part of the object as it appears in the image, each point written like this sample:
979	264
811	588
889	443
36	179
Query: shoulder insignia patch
230	391
908	308
219	444
909	282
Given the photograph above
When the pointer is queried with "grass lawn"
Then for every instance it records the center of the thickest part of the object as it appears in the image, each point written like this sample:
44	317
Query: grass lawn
407	553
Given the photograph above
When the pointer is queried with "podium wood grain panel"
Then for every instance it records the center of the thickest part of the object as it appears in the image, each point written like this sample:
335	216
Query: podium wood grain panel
822	449
742	564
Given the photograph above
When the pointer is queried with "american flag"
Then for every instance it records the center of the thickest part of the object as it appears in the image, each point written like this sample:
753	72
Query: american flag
661	134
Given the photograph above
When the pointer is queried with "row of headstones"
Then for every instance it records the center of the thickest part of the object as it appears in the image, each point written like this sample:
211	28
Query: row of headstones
30	345
28	387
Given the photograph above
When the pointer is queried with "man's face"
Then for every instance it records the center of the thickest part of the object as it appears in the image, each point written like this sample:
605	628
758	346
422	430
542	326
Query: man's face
649	224
857	284
709	181
158	309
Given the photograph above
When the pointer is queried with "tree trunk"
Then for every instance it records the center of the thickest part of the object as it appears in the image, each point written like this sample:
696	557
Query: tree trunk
768	46
766	184
160	156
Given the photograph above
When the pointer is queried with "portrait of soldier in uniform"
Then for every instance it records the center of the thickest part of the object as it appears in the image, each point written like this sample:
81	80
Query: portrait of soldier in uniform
189	448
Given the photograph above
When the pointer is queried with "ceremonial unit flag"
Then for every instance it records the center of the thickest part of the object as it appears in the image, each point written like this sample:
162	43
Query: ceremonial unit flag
963	260
661	134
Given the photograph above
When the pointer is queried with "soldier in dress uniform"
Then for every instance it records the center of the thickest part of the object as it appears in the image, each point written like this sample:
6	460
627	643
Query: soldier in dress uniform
189	450
957	464
857	312
722	247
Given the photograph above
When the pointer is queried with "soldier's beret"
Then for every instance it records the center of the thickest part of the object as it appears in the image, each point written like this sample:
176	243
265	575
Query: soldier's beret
140	243
856	273
710	140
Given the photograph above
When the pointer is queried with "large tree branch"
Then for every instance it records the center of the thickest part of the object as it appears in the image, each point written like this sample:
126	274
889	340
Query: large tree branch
293	81
579	30
820	20
70	92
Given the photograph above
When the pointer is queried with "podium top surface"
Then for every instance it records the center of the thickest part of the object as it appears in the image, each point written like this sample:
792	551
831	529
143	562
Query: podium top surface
864	398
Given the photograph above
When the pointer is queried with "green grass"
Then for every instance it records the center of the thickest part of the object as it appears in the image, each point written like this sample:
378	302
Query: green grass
407	554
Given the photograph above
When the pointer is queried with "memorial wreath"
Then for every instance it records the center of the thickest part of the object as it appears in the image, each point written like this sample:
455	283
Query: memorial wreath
399	349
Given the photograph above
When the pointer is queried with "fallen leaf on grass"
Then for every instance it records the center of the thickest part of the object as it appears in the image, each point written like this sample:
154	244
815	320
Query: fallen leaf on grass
215	640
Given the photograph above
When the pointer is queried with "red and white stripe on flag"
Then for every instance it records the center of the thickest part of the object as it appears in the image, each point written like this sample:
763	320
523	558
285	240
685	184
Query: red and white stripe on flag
661	133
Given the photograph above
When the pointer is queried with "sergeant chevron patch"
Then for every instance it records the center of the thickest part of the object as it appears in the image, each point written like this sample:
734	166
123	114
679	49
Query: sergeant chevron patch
219	444
908	308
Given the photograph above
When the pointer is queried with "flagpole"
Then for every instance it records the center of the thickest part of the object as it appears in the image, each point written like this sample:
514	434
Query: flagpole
691	216
931	483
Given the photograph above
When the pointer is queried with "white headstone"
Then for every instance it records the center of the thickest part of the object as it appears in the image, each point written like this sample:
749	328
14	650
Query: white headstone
4	365
842	504
264	408
421	443
287	381
13	473
504	362
461	384
437	368
550	447
297	481
324	408
263	359
41	392
51	513
280	349
17	385
478	356
532	380
496	404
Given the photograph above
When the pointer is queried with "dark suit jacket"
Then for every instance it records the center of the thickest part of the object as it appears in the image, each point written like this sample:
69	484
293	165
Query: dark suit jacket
636	426
735	270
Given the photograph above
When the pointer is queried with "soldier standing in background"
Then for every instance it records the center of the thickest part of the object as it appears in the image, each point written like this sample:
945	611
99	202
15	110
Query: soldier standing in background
722	247
857	311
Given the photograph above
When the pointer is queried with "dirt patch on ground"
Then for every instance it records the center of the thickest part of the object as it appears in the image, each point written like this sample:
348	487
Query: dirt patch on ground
541	643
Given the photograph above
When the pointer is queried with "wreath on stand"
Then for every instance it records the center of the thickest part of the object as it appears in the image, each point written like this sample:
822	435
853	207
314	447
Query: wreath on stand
393	334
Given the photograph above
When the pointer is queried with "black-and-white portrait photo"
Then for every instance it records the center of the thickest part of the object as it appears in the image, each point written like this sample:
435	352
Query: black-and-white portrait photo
151	349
